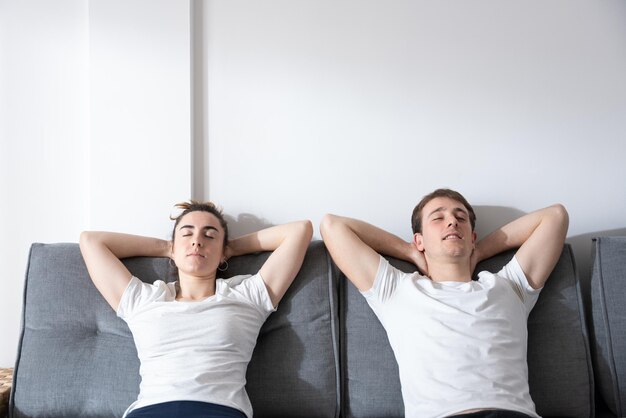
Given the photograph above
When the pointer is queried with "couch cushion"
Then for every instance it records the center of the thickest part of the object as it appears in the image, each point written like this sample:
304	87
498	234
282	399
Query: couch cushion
608	297
370	372
294	371
76	358
560	375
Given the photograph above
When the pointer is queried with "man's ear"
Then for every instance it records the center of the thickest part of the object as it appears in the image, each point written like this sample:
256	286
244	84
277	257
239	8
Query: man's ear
474	237
418	240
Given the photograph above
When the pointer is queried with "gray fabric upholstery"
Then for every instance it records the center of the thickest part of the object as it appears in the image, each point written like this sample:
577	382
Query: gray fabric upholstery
370	372
294	371
322	354
77	359
559	360
608	298
560	374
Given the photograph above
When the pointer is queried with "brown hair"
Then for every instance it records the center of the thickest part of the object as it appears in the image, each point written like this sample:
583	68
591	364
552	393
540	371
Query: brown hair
195	206
416	218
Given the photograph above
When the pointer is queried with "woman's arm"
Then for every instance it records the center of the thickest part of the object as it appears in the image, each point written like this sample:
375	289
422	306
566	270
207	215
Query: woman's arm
102	252
288	242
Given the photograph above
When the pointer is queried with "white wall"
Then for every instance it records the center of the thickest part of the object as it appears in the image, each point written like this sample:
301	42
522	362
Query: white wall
301	108
95	127
140	137
362	107
43	126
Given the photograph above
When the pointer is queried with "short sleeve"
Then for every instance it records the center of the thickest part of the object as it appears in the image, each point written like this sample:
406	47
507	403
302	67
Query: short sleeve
513	272
385	283
254	290
138	294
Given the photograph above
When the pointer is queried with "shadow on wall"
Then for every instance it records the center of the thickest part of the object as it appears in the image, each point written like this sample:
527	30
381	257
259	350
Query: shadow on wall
489	218
245	223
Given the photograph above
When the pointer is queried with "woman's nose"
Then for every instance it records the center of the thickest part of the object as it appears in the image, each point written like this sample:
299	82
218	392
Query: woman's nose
196	243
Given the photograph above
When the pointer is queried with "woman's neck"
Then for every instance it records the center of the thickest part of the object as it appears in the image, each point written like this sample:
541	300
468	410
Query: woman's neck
194	288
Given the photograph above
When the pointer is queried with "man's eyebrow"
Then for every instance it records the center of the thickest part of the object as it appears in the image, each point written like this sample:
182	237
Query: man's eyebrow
206	228
439	209
455	210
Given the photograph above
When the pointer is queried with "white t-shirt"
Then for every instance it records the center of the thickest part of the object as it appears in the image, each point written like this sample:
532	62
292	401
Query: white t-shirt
195	351
459	346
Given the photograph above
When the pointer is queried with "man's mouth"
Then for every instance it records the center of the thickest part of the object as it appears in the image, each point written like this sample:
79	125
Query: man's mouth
452	236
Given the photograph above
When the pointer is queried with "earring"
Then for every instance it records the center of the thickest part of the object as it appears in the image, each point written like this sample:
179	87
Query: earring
223	268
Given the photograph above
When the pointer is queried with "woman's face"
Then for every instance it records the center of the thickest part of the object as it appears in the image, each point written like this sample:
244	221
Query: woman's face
198	244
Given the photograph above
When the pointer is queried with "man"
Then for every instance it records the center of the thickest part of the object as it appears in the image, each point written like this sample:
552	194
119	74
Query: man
460	344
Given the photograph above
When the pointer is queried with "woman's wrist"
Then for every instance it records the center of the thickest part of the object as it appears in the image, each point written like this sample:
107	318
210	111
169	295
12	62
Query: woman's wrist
166	248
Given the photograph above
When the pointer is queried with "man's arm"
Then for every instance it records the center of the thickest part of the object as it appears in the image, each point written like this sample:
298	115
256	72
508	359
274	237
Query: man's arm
288	242
540	236
354	246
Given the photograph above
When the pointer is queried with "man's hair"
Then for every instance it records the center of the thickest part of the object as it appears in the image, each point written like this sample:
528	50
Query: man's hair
416	218
199	206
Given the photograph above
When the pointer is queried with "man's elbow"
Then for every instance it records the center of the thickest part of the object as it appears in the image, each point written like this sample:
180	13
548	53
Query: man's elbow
85	237
560	212
328	222
559	218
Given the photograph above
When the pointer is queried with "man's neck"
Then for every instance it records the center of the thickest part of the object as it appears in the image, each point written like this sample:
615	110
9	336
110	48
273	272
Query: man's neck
449	271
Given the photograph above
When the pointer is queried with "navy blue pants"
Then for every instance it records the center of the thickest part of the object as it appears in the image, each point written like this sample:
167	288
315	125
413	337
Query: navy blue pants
494	413
186	409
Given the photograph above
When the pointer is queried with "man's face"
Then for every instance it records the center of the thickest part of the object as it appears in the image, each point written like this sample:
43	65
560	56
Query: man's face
446	230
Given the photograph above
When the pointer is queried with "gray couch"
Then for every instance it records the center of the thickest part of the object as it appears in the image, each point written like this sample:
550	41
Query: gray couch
322	354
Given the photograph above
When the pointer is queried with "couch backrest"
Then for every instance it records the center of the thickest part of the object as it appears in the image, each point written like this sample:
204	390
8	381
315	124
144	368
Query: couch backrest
608	297
294	371
560	373
76	358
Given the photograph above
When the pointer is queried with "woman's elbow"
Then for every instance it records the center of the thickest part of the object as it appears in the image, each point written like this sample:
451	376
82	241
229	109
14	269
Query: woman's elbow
306	229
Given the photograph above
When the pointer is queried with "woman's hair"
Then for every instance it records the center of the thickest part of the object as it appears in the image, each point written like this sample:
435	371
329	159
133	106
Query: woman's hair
416	218
199	206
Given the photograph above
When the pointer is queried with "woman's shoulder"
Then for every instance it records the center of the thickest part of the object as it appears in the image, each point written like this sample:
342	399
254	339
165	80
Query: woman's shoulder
234	281
157	288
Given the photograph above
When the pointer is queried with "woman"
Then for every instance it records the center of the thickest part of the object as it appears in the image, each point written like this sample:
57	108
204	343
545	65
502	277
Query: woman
195	337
